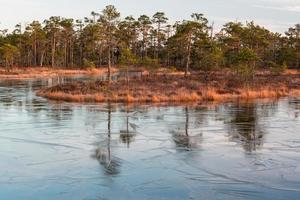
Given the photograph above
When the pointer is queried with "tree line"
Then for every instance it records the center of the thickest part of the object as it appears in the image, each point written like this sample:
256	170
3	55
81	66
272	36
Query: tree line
106	39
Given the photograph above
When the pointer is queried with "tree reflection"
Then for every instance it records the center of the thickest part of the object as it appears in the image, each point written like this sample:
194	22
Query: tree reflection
103	153
182	138
7	96
60	112
7	100
244	126
127	136
294	105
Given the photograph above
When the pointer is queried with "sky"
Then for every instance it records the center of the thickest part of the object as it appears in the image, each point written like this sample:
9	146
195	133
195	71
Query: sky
276	15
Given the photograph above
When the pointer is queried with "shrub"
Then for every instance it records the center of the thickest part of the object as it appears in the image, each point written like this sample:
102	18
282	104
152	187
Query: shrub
245	71
172	69
276	68
88	64
127	57
148	62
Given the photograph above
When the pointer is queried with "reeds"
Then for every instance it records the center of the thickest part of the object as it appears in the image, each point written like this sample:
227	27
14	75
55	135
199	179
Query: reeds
165	88
47	72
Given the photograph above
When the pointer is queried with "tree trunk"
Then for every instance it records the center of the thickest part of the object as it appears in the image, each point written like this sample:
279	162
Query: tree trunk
109	65
144	49
66	56
158	42
298	60
53	51
188	59
100	56
71	54
42	59
6	64
35	51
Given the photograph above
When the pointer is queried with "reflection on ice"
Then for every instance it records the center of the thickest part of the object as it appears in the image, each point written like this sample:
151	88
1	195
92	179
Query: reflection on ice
294	105
127	136
182	138
103	155
55	150
110	164
245	126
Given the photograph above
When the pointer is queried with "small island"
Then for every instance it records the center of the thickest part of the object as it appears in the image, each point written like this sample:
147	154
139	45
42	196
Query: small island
169	87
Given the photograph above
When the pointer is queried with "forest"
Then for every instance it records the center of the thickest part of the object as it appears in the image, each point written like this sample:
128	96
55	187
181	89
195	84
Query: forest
106	39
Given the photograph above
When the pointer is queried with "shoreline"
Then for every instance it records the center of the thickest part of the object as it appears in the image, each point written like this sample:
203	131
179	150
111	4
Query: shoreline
20	73
176	89
97	98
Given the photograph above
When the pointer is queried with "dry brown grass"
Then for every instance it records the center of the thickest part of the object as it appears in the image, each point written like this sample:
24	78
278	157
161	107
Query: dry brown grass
295	93
210	94
264	93
175	88
292	71
46	72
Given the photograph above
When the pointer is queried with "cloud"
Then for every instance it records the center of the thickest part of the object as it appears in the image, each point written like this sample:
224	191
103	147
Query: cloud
274	14
281	8
281	5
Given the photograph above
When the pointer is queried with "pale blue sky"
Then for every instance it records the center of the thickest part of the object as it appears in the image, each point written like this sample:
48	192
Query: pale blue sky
276	15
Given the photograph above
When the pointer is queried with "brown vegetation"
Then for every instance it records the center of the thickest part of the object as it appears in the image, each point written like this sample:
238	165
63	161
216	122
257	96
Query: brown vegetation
175	88
46	72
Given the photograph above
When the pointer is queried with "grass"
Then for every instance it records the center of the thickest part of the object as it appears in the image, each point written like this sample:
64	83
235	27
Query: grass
46	72
176	88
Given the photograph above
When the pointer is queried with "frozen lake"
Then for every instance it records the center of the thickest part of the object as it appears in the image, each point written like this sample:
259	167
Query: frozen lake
57	150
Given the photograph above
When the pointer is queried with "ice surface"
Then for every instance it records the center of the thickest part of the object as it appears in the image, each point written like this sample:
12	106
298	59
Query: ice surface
54	150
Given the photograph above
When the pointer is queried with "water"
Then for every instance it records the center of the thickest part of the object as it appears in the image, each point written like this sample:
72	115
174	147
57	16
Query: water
55	150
